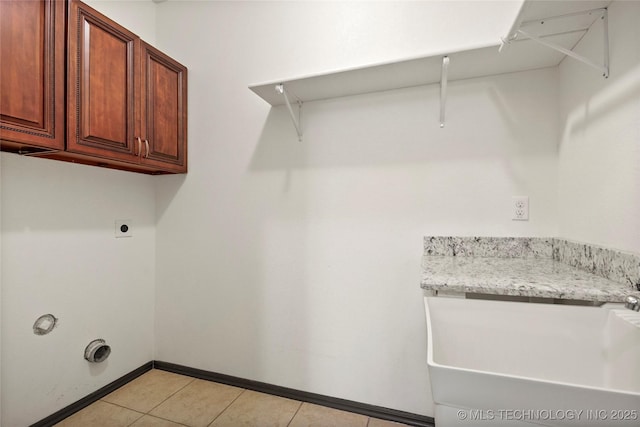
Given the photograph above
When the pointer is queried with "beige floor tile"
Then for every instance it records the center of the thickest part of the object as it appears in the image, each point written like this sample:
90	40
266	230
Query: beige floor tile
198	403
311	415
101	414
149	421
148	390
375	422
259	410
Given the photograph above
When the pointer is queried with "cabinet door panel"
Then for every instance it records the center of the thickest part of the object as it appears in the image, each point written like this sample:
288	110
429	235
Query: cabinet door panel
164	110
32	70
102	86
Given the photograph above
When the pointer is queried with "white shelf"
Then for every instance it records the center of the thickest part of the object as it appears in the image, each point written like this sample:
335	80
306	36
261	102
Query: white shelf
485	61
557	25
475	62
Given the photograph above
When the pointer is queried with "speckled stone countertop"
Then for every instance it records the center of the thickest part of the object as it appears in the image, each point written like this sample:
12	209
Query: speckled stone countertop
528	277
516	267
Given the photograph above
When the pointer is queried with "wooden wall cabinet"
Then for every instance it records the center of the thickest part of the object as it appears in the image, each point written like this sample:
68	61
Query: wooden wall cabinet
126	105
32	81
126	100
163	110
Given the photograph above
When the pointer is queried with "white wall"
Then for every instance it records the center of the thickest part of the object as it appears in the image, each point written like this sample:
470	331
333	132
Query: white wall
59	256
298	264
138	16
599	156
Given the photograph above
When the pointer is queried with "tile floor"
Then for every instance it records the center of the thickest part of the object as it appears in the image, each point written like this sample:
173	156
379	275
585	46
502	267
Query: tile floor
163	399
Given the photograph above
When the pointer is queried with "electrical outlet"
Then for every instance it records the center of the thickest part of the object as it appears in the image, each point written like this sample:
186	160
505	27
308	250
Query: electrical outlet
520	206
123	228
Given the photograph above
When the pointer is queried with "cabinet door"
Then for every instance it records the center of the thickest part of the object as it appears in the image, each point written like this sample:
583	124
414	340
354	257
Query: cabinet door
163	111
32	69
102	86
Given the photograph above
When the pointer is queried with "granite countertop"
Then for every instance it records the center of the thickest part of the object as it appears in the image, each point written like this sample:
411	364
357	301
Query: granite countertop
529	277
541	277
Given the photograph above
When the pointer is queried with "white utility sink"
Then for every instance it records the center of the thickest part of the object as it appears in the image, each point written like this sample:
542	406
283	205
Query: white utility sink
511	363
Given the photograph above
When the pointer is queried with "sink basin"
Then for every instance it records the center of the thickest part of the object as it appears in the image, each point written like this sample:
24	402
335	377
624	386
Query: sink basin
510	363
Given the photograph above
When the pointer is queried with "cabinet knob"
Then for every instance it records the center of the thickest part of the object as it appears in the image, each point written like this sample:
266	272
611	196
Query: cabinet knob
139	146
146	144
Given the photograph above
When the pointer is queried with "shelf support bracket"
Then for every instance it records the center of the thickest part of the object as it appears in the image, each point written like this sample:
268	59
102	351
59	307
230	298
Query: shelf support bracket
296	120
443	88
512	34
604	68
